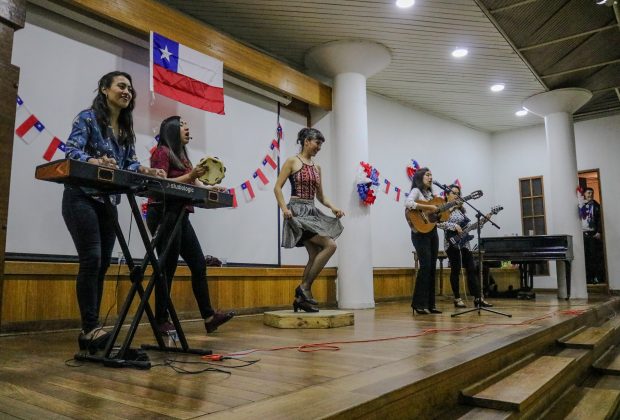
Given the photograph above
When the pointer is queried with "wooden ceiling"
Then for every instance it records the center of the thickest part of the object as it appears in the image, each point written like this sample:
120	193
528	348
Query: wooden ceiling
567	43
510	42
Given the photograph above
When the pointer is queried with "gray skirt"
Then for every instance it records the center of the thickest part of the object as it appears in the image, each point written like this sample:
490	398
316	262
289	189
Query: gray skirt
307	222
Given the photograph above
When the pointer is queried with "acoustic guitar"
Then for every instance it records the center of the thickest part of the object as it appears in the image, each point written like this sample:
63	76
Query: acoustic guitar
459	239
424	221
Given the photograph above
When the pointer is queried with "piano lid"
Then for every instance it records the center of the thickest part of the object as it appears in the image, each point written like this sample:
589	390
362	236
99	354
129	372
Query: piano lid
530	248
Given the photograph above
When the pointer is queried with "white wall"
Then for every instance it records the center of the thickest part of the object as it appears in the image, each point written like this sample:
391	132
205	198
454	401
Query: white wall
398	134
58	78
522	153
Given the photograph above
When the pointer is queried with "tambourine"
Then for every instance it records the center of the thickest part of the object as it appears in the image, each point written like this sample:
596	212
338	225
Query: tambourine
216	171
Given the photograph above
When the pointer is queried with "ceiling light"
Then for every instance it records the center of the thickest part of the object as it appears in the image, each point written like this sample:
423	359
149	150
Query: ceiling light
405	3
498	87
459	52
521	113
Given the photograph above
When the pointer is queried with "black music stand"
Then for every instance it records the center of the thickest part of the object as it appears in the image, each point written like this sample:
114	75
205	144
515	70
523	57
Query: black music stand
167	229
479	217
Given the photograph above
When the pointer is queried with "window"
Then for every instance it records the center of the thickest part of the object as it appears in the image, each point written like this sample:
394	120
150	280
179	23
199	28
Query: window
533	213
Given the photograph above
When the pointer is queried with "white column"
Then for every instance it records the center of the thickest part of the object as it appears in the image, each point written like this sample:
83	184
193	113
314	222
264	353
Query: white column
350	63
557	108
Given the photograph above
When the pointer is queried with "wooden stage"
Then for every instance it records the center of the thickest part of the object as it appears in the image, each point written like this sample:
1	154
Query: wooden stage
421	377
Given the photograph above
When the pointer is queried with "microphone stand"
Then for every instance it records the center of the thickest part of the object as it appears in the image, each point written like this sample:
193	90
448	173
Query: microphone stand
479	217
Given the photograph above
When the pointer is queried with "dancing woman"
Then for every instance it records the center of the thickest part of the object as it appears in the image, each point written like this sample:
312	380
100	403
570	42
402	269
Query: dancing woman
304	224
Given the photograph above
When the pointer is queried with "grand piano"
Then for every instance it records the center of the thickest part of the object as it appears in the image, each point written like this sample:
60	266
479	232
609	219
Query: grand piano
527	250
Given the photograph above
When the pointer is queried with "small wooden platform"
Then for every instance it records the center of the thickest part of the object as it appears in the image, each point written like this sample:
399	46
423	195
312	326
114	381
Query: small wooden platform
323	319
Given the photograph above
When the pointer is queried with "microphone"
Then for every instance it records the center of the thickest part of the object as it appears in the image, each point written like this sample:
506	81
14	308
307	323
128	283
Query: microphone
442	186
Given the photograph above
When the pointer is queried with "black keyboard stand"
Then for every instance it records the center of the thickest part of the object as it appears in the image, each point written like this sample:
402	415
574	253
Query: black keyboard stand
167	229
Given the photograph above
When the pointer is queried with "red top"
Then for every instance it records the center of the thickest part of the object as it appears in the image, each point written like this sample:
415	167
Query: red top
160	159
305	181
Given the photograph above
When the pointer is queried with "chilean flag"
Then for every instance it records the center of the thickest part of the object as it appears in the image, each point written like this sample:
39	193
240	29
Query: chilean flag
55	144
248	191
25	132
397	193
259	175
186	75
275	149
231	191
268	161
387	186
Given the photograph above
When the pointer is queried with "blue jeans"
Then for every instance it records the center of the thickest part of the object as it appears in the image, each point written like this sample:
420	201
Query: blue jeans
185	244
426	246
92	231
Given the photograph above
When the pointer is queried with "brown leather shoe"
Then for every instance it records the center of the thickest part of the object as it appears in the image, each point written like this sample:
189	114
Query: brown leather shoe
218	319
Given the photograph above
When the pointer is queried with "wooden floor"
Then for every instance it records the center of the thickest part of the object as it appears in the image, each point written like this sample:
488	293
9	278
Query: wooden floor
409	377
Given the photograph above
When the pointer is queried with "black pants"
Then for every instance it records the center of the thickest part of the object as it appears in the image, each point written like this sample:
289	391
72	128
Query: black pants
462	258
426	246
185	244
92	231
594	258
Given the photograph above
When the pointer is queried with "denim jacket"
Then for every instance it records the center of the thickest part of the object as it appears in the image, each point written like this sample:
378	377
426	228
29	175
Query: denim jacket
87	141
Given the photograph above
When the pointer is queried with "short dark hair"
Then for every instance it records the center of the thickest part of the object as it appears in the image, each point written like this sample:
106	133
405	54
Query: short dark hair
588	189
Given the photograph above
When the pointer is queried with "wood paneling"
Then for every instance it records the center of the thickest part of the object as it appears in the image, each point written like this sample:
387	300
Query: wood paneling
12	15
41	295
143	16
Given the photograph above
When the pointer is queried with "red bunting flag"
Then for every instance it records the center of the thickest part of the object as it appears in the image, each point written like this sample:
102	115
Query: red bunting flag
232	192
54	145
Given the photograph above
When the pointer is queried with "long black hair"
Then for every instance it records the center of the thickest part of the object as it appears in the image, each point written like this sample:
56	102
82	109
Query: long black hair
102	110
309	134
418	180
170	136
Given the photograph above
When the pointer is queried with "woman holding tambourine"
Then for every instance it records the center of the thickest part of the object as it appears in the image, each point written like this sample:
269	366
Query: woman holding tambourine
171	156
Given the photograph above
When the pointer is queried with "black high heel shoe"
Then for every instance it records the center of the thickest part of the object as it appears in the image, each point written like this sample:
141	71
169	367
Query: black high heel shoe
305	295
304	305
94	340
419	311
434	311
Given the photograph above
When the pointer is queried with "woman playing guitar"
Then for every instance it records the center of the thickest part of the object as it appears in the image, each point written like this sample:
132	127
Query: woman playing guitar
459	254
426	244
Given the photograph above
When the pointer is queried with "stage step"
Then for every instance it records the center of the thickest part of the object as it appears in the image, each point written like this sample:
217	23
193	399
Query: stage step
519	390
609	362
595	404
591	337
486	414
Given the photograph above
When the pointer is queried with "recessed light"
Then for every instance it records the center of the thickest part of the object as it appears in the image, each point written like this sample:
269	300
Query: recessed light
498	87
521	113
405	3
459	52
